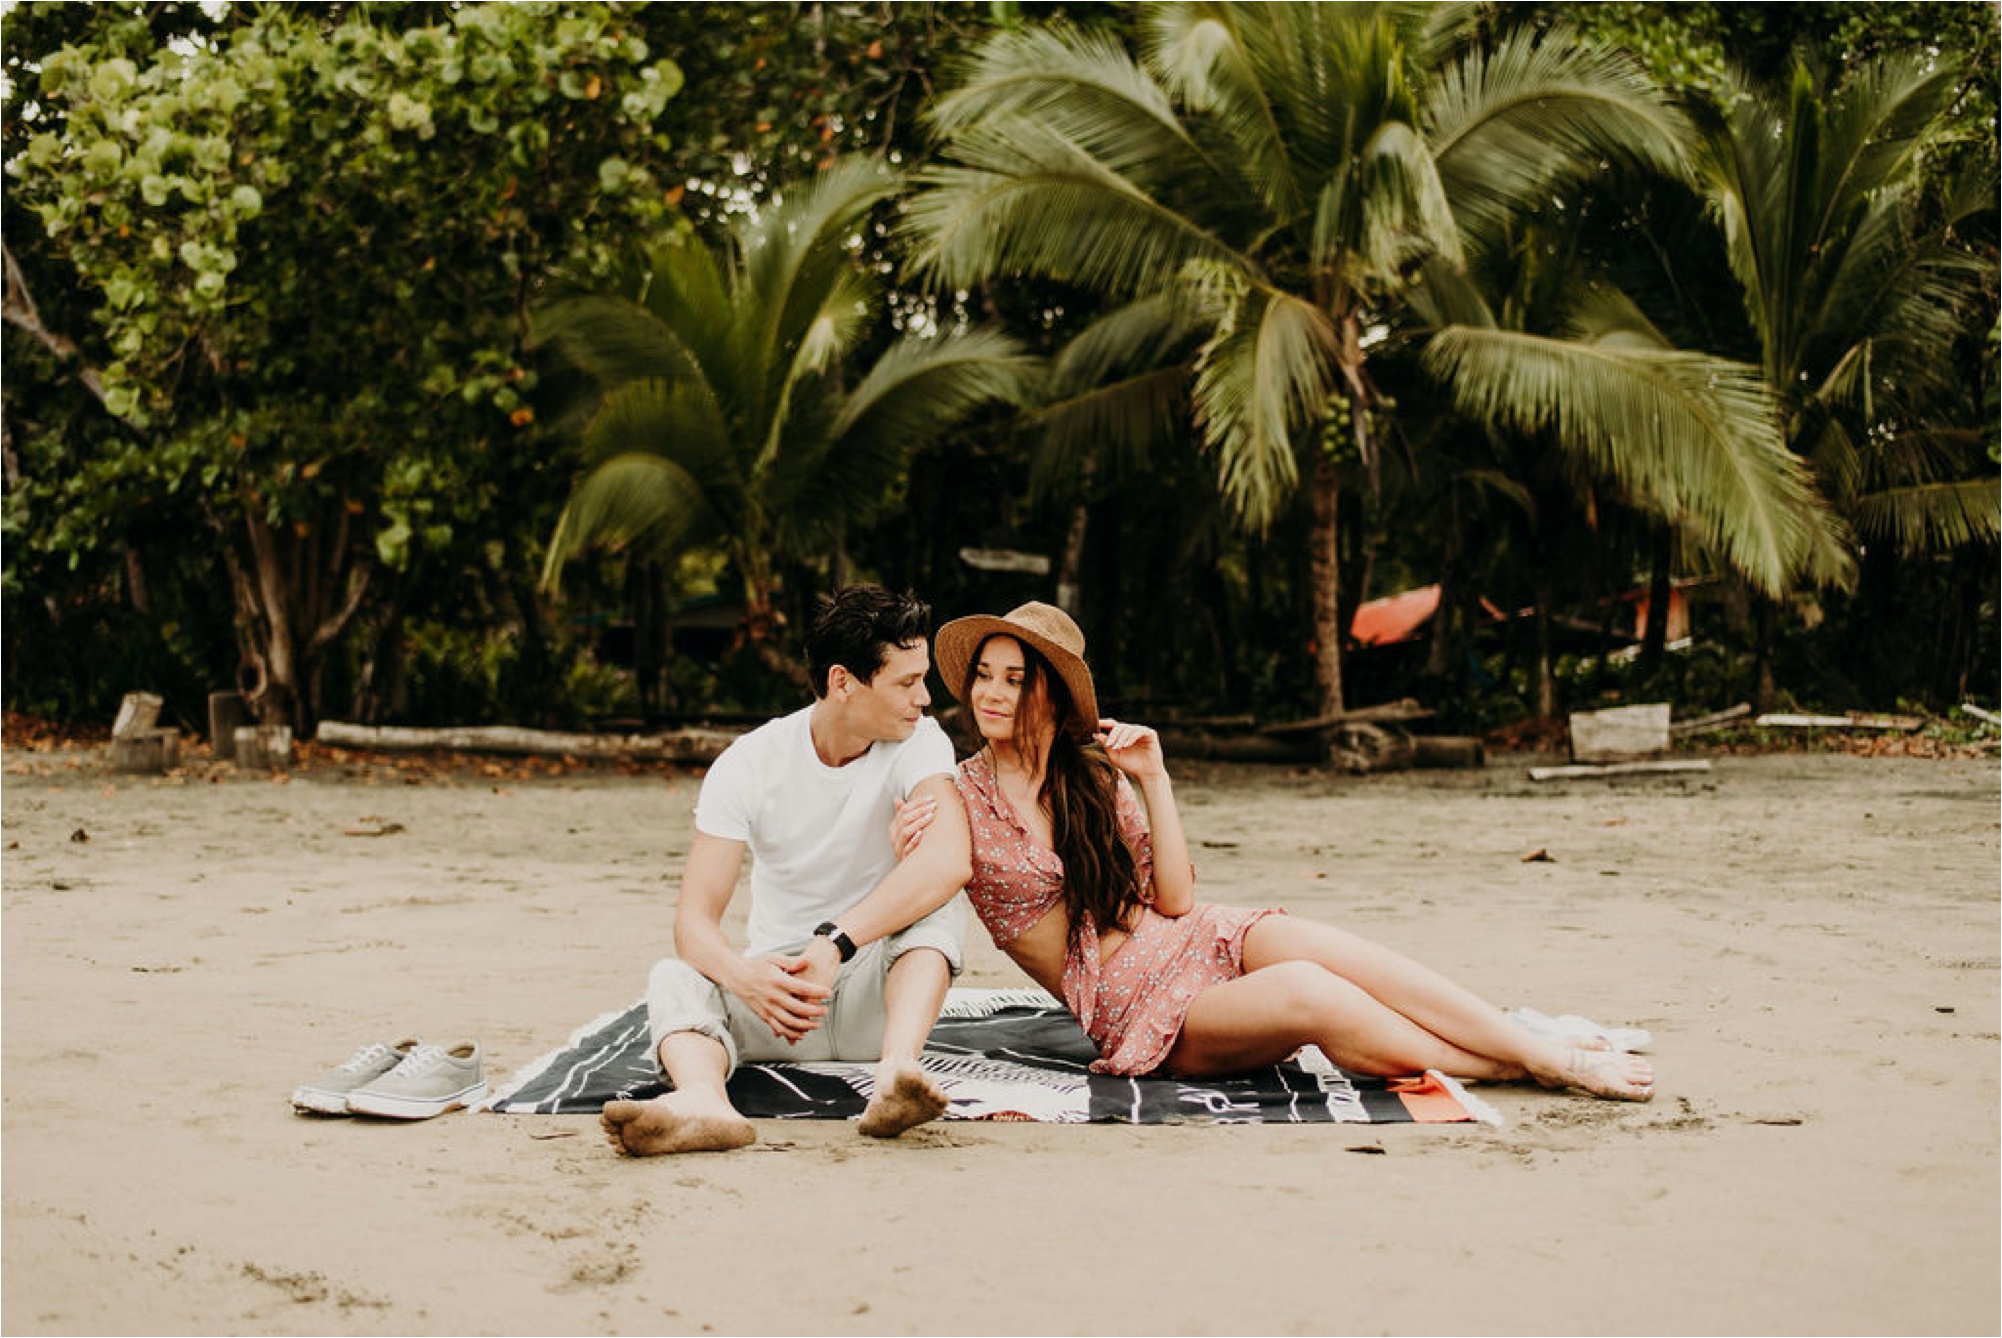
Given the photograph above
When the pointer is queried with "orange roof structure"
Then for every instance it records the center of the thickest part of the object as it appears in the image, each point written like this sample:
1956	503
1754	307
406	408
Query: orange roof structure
1395	618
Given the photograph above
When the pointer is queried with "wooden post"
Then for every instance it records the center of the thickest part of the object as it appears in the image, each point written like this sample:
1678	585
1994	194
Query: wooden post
227	713
137	715
146	752
1446	751
266	747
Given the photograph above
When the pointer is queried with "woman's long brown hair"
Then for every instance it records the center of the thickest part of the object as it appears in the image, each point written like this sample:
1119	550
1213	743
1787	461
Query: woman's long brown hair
1081	787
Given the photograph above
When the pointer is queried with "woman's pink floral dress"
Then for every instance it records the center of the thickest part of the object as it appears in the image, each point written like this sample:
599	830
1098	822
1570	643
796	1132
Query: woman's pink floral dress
1133	1005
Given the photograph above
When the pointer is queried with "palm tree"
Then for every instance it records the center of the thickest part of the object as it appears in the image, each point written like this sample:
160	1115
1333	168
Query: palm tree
1285	174
727	410
1852	292
1856	286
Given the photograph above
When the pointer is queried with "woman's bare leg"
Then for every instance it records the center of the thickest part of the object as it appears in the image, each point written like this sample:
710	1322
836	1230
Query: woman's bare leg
1448	1011
1264	1016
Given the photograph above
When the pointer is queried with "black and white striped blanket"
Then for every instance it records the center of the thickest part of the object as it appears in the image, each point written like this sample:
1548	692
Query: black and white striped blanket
999	1055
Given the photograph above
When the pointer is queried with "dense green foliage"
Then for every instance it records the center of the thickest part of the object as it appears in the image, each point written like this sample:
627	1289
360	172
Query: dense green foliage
274	414
315	243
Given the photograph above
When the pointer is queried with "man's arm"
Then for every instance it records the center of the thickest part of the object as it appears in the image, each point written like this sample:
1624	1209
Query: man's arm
790	1004
922	882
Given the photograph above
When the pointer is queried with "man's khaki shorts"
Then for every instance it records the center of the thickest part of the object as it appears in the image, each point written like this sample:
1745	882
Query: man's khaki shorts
680	998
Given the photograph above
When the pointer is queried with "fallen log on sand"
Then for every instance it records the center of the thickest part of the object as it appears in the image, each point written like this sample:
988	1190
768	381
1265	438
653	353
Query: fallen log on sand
691	746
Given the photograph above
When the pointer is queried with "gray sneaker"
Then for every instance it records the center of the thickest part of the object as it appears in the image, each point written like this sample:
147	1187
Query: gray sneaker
328	1093
430	1081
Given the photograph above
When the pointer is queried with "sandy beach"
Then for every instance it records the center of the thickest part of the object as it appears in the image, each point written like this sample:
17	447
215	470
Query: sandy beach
1812	941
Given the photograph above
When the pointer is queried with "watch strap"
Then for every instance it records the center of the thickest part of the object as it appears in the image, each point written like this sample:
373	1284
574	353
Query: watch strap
833	932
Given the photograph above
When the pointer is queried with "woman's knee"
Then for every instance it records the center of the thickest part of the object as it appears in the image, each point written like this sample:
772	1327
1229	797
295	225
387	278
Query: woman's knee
1311	995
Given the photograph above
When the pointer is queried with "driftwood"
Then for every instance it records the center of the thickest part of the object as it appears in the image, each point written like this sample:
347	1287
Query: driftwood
692	746
1361	748
1705	723
1588	772
1212	746
1852	720
1971	709
1396	712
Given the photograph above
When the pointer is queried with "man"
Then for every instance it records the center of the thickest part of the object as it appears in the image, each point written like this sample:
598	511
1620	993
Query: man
850	952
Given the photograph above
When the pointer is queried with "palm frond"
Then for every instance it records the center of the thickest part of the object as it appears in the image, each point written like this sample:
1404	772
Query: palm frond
1081	88
1931	517
687	288
1039	206
630	501
791	251
922	385
1133	335
1406	217
1881	121
1209	58
1442	294
1815	190
1602	314
1111	427
916	392
1119	387
613	339
1506	126
1693	437
1263	378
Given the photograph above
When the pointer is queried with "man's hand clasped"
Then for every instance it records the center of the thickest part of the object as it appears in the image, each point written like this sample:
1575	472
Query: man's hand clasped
790	993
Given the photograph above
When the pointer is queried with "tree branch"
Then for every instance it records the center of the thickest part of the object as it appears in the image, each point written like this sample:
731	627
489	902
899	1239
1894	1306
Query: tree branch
18	308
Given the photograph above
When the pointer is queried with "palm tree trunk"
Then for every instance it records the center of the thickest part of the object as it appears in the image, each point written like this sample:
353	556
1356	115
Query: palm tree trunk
1764	688
1546	660
1654	637
1070	568
1324	573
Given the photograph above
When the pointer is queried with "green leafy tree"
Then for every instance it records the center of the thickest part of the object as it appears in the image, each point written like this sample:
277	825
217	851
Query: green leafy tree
732	406
314	235
1287	173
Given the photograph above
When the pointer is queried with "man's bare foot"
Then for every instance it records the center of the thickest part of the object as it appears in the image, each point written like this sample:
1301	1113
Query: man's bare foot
1608	1074
908	1099
664	1125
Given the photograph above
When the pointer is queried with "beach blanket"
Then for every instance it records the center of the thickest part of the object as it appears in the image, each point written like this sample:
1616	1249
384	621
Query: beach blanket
999	1055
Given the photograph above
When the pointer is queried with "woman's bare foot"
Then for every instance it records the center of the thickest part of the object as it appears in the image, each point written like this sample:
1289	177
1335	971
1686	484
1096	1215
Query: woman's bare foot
1608	1074
909	1098
676	1122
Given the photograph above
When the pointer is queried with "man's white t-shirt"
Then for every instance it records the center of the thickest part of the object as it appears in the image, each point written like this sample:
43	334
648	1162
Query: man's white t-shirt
819	835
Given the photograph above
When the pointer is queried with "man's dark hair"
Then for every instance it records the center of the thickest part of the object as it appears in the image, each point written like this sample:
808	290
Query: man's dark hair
855	628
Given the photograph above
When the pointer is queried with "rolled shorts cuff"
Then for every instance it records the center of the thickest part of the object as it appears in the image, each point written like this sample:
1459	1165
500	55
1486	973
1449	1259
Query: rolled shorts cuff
682	999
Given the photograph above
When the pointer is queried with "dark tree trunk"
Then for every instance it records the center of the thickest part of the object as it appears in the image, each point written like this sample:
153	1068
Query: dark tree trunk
1324	579
1654	637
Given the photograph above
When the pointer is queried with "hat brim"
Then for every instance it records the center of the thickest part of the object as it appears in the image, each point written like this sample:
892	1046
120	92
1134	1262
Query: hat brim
958	641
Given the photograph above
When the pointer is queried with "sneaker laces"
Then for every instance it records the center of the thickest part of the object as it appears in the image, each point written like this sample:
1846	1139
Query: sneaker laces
420	1061
365	1058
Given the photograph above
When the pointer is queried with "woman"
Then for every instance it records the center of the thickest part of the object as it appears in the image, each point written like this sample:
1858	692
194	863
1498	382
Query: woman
1096	901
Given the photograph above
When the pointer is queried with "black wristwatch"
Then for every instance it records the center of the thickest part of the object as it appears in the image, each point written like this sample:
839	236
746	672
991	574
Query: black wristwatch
843	944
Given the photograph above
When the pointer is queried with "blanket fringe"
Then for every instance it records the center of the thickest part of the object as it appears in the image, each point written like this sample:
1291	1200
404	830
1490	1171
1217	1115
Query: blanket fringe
1475	1107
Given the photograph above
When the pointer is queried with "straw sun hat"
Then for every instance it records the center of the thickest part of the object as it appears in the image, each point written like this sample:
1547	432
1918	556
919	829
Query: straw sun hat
1048	629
